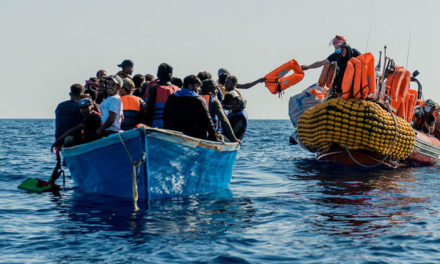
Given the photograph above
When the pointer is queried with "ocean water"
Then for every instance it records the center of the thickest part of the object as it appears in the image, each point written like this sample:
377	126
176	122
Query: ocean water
282	207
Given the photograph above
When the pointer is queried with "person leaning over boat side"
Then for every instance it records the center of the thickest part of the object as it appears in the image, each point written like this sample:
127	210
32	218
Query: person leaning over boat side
343	53
67	114
158	95
132	106
90	122
238	116
127	69
208	93
186	111
424	118
221	81
111	108
231	88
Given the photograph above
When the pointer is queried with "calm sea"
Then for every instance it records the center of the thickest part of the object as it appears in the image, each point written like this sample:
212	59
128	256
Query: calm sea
282	207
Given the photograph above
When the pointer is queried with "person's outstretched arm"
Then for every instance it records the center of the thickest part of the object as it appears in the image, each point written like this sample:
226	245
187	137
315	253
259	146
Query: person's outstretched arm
251	84
315	65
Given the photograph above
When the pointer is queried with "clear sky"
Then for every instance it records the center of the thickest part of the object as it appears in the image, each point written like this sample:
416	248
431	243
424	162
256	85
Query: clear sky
48	45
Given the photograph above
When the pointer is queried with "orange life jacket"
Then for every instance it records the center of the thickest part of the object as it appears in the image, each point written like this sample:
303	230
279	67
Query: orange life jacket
131	108
277	81
327	75
359	78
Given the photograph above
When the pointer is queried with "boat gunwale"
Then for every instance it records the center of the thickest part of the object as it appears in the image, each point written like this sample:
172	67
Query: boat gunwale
161	134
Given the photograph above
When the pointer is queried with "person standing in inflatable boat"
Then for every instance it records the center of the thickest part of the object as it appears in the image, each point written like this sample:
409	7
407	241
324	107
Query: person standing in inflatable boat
342	54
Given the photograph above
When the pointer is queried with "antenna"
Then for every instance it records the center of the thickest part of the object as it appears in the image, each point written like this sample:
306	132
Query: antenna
368	39
409	45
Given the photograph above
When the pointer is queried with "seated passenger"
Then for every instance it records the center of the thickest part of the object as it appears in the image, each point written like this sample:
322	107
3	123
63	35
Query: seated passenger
186	111
67	114
111	108
208	92
424	118
238	117
132	106
90	122
157	96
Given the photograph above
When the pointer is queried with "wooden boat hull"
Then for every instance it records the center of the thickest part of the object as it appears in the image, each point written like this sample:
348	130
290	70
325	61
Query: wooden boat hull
174	164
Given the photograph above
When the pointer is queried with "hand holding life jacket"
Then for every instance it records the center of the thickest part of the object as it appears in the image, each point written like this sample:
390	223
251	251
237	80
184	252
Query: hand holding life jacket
277	81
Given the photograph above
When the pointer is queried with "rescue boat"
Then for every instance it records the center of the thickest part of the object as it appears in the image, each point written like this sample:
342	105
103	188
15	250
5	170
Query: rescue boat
369	124
151	163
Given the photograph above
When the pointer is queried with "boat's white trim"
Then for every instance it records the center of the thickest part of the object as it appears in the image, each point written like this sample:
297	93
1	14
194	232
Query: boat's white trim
182	139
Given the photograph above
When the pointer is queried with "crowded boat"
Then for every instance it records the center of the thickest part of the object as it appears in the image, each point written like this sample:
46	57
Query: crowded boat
197	106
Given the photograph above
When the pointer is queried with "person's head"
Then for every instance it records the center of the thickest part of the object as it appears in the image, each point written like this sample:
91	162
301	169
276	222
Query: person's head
231	83
127	66
164	72
85	106
90	94
138	80
149	77
208	87
76	91
222	71
101	74
114	84
102	85
127	86
222	78
177	82
338	43
204	75
429	106
238	104
192	82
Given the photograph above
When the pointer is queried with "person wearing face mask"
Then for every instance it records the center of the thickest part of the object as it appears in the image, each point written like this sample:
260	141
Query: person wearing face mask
424	118
343	53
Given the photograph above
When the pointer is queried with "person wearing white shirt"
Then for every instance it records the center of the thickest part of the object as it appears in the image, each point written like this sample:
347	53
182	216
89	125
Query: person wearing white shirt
111	108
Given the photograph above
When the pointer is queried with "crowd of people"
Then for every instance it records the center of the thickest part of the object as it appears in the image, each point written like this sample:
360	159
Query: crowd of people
197	106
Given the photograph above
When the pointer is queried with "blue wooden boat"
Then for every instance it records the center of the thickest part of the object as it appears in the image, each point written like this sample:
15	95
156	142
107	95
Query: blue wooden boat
151	163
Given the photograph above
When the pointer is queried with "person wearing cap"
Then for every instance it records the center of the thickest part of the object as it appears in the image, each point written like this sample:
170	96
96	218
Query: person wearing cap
157	96
127	69
90	122
186	111
132	106
111	107
343	53
221	122
424	118
67	114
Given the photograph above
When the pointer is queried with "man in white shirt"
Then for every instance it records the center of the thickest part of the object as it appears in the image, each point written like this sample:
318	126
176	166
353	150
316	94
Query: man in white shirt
111	108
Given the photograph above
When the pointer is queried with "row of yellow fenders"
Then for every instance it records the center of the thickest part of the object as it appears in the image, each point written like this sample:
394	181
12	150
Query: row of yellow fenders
357	124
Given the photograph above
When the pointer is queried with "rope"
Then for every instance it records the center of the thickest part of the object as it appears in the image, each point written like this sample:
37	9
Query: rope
136	171
385	157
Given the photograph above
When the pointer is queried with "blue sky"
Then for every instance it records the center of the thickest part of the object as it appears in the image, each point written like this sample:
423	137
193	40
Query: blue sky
48	45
